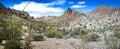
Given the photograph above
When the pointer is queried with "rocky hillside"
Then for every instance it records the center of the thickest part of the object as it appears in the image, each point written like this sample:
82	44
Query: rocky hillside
104	18
21	18
98	29
22	14
103	10
68	16
96	19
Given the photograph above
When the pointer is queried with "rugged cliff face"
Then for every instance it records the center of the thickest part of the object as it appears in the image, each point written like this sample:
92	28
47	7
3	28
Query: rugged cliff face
23	14
8	11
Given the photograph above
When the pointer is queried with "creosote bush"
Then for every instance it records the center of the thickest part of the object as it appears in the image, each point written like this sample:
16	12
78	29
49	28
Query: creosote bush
13	44
0	41
79	31
51	33
117	33
9	29
38	38
90	37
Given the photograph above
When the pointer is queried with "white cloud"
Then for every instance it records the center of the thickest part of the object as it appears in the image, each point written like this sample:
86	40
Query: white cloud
38	9
81	2
78	6
71	2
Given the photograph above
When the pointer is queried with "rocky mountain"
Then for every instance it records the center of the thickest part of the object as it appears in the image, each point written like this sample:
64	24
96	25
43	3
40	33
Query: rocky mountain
102	21
22	14
105	10
68	16
21	20
103	18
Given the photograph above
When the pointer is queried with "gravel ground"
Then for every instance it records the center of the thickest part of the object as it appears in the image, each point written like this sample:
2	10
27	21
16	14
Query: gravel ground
1	47
53	43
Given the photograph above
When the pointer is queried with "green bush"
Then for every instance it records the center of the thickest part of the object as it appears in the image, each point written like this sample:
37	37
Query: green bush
38	38
90	37
117	33
1	36
59	34
78	32
8	29
53	33
27	44
0	41
12	44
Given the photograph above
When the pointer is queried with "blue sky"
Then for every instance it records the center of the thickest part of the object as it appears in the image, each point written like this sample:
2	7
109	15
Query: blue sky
39	8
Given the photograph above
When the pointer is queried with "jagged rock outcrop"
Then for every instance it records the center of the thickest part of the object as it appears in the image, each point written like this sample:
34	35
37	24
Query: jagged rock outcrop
1	6
22	14
68	11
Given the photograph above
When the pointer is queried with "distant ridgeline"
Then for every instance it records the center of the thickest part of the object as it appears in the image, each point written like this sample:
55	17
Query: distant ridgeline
102	17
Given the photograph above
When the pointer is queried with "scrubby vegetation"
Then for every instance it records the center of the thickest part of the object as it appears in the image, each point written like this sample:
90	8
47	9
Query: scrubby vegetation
53	33
79	31
38	38
0	41
90	37
117	33
13	44
8	29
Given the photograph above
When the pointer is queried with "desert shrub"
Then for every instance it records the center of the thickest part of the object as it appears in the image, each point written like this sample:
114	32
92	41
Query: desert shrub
38	38
1	36
27	44
8	29
78	32
90	37
53	33
13	44
117	33
0	41
59	34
